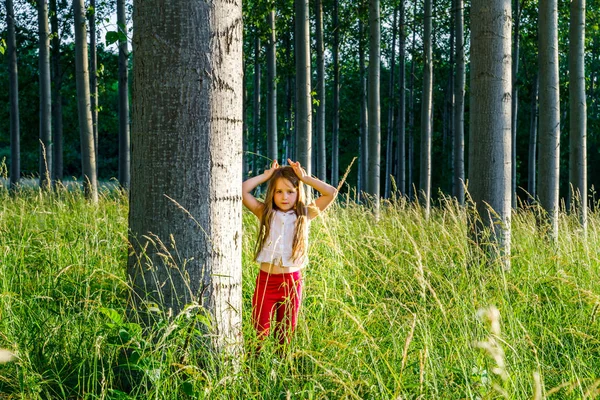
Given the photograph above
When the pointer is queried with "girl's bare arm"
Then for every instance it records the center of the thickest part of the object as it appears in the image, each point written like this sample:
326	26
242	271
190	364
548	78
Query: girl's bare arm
328	193
251	202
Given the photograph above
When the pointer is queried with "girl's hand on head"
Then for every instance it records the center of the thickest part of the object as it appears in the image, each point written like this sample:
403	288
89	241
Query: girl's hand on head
268	173
298	170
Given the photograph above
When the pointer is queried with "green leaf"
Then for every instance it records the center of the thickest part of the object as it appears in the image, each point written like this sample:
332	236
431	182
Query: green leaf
111	37
113	315
188	389
2	46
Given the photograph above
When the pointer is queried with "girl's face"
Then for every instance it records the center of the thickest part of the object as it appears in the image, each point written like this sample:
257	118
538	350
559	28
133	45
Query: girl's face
285	195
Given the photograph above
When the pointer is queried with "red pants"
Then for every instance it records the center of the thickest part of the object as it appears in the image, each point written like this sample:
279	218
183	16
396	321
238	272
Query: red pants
280	294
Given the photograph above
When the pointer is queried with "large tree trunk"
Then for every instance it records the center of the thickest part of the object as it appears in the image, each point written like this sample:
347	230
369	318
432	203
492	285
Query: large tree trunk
578	117
364	116
321	160
374	113
88	154
185	203
531	184
515	101
13	95
459	105
389	158
426	113
335	133
272	147
93	76
45	159
124	148
401	125
256	162
303	96
57	119
549	163
490	127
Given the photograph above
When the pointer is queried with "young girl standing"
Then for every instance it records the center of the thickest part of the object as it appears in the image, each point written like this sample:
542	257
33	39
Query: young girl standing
282	244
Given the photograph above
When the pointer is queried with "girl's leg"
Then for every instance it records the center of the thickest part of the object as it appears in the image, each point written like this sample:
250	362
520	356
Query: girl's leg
287	311
263	302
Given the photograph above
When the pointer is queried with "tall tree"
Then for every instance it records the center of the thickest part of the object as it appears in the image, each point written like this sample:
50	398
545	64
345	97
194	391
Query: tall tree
459	103
364	116
335	142
401	124
578	112
531	184
57	119
548	171
45	159
93	73
124	148
389	158
13	94
272	146
186	161
490	125
515	98
257	106
374	113
88	154
411	108
321	158
303	92
426	112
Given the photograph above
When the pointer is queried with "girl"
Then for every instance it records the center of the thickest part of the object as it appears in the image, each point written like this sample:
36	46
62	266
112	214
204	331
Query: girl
282	244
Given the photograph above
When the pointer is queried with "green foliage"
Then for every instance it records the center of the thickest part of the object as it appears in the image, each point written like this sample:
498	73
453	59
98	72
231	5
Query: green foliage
398	308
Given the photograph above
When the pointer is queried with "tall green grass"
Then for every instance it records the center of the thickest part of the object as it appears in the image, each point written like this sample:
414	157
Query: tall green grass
399	308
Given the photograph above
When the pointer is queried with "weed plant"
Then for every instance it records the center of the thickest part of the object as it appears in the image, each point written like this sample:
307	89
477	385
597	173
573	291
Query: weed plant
399	308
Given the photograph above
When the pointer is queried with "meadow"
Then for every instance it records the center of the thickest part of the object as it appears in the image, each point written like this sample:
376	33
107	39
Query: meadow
400	308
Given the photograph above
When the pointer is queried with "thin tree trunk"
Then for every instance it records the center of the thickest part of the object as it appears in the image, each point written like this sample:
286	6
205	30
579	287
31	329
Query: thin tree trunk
549	163
303	96
57	119
490	127
531	186
186	161
256	161
578	117
272	146
401	126
335	143
364	116
459	105
374	113
245	133
124	148
45	159
88	154
321	160
391	99
450	99
13	94
289	126
93	75
515	100
411	110
426	113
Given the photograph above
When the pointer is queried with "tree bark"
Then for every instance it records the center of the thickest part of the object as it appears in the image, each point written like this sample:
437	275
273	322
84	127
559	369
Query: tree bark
364	115
578	111
185	210
321	158
88	154
335	133
459	105
391	99
93	76
401	125
549	163
374	112
490	127
272	147
531	184
57	118
515	100
124	147
45	159
13	95
411	110
426	113
303	96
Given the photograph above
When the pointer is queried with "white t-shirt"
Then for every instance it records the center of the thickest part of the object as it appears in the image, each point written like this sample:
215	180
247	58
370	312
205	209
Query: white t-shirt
277	248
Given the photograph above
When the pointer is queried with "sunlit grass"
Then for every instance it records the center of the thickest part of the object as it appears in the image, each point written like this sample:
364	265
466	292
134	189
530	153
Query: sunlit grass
394	308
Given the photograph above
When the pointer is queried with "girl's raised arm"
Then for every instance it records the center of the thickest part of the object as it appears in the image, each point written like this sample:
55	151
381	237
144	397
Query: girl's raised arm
251	202
328	192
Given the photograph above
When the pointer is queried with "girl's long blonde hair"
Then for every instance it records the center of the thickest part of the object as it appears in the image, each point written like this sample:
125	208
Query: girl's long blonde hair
300	235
